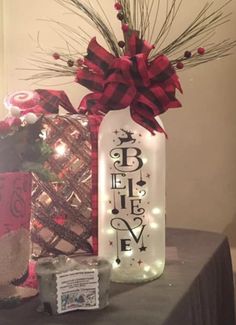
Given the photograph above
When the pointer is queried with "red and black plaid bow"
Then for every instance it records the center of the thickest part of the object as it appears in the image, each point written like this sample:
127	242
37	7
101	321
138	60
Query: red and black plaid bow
130	80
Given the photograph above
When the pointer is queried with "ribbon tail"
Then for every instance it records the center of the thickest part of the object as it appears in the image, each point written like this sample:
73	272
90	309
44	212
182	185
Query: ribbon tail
146	119
90	104
50	100
98	59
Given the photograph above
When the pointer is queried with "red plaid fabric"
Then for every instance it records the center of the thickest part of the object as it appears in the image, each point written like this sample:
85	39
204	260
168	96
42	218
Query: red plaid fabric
148	88
50	100
94	123
136	45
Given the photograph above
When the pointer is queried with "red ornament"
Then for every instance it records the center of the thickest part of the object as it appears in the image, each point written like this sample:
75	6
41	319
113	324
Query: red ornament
118	6
120	16
187	54
179	65
125	28
56	56
201	50
121	44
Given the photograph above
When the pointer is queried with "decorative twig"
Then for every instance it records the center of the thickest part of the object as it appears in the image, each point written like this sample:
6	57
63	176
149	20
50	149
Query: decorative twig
141	16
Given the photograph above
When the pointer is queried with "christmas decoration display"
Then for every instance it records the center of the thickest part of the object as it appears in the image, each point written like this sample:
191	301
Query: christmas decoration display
21	151
133	81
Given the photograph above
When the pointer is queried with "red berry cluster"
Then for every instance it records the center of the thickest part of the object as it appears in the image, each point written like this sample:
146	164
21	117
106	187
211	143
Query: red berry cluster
188	55
69	62
125	27
118	6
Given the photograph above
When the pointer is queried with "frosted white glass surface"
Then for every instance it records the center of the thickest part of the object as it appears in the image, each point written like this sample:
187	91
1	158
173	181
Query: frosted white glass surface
131	198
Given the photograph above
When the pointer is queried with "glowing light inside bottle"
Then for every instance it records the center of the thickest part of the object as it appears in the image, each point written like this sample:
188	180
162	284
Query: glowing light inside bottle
132	218
110	231
154	225
156	211
159	263
129	253
84	123
60	149
145	160
147	268
115	265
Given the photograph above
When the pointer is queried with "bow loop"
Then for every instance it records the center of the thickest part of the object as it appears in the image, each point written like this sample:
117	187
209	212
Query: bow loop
98	59
130	80
135	45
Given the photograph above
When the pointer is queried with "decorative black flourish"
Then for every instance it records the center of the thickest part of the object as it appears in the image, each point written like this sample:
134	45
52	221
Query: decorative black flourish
114	210
126	138
142	248
141	182
118	261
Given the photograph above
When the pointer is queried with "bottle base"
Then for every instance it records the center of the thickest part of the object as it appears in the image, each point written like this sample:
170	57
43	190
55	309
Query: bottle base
139	277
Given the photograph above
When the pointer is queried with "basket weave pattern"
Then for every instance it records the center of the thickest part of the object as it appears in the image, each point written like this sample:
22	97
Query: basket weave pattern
61	211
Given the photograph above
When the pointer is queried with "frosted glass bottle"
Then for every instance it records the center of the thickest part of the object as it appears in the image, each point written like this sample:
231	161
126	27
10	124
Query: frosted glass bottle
131	195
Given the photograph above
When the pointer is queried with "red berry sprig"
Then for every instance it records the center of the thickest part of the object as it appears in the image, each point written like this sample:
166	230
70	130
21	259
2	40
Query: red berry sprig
179	65
118	6
201	50
121	44
56	56
70	63
187	54
120	16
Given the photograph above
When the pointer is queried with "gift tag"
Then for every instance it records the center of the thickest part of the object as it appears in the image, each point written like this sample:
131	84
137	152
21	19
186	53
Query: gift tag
77	289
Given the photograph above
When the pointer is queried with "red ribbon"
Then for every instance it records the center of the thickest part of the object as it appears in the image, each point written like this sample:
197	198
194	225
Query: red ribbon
130	80
118	82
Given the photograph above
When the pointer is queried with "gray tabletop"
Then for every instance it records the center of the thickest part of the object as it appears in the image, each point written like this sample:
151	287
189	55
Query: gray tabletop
195	289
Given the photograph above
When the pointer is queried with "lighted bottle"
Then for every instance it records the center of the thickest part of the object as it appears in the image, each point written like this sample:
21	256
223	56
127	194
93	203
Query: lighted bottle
131	198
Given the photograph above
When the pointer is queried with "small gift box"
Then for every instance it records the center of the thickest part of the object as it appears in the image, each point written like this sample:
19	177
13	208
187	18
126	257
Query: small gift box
64	211
68	284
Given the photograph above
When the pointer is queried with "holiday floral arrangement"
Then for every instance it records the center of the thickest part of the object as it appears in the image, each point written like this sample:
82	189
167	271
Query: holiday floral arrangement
136	70
140	70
